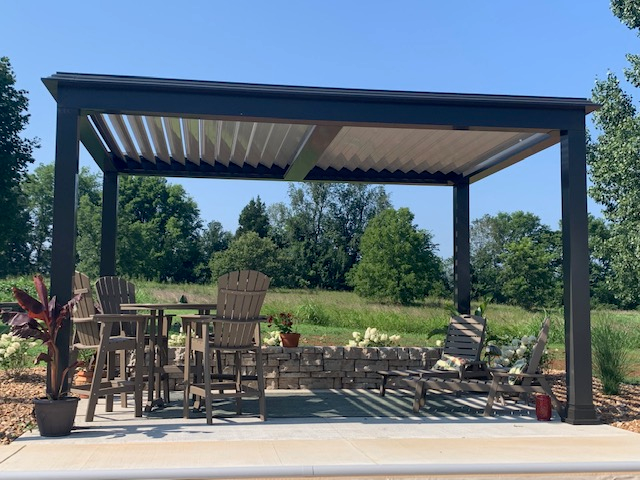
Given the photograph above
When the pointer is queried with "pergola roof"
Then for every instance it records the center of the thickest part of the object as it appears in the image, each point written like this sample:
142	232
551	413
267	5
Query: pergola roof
185	128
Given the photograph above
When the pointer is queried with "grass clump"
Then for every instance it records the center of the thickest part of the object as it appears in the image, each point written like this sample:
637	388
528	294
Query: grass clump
611	356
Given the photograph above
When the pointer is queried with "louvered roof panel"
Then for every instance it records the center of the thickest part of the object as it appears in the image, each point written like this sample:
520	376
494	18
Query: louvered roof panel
214	129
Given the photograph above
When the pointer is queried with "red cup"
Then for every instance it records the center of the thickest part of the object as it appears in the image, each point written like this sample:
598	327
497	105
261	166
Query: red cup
543	407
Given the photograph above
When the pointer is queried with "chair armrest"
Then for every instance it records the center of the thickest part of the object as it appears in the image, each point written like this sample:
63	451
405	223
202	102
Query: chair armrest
122	317
521	375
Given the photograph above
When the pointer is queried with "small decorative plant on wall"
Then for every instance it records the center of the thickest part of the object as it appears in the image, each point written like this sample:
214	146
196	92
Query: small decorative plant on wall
373	338
283	325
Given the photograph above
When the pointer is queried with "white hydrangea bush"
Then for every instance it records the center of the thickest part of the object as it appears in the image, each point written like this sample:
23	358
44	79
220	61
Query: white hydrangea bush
14	354
177	339
503	356
272	338
373	338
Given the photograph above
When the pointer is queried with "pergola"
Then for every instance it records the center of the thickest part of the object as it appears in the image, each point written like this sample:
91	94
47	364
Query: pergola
184	128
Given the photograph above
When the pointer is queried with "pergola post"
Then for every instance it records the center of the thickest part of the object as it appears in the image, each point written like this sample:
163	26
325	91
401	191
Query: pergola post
65	204
109	224
461	248
575	254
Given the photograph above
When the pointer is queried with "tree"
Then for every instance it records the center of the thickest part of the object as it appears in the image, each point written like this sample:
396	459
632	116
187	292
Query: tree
601	275
158	227
38	188
490	236
527	279
253	218
614	164
15	157
247	252
323	227
398	262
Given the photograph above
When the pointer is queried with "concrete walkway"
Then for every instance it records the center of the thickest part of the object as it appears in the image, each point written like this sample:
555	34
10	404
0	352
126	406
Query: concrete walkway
117	446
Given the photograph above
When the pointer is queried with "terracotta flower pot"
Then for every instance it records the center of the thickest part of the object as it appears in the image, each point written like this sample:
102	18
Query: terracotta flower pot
290	339
83	377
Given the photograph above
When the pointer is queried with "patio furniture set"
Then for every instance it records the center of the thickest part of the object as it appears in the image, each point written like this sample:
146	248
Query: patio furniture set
232	325
109	327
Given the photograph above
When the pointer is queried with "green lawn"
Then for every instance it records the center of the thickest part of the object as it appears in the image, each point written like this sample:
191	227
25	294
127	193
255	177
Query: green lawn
329	318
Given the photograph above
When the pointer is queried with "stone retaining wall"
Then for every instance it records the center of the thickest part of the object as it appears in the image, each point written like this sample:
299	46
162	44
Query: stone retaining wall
334	367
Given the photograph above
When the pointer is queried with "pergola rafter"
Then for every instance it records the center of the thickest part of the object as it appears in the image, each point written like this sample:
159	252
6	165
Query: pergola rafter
180	128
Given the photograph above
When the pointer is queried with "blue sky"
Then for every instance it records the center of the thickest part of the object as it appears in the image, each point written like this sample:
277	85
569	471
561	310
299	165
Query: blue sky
546	47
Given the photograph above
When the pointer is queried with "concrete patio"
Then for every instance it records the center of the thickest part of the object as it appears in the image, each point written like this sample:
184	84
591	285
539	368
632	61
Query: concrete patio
327	433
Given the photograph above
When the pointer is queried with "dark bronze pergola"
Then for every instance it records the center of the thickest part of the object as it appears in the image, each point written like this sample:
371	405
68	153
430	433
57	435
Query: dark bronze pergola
180	128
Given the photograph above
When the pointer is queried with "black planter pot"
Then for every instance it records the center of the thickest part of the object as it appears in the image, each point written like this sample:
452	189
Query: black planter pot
55	417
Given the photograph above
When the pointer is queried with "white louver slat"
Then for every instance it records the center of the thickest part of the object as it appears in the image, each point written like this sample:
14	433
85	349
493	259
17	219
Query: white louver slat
208	140
123	134
191	130
142	138
174	134
159	140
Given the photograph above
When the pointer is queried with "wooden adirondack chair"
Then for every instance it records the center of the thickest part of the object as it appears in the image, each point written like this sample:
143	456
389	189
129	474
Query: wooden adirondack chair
464	340
503	383
114	291
235	328
94	331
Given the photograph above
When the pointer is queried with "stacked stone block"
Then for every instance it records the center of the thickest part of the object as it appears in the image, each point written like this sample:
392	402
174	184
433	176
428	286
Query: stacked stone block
333	367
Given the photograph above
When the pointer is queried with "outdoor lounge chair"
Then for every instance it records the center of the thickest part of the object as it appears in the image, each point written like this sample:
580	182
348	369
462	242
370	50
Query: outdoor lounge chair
464	340
235	329
503	383
94	331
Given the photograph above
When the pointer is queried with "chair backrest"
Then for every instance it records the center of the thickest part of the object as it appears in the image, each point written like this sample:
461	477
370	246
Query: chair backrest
112	291
465	337
240	297
87	330
539	347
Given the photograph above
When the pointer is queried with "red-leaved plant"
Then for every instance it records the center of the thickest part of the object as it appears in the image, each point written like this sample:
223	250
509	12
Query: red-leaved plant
42	320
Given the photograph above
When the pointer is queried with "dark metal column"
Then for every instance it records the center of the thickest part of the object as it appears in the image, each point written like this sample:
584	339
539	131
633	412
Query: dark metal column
575	251
65	205
109	224
461	249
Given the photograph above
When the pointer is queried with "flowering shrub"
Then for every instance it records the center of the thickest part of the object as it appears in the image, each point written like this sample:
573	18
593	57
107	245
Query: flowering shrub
283	322
272	338
373	338
508	354
177	339
14	356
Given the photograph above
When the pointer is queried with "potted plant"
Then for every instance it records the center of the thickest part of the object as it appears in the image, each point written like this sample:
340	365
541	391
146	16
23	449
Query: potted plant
42	320
84	376
283	323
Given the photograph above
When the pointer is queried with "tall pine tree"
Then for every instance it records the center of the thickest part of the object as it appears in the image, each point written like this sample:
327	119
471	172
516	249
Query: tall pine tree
15	157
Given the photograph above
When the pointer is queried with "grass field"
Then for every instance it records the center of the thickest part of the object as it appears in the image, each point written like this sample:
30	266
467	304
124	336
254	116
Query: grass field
329	318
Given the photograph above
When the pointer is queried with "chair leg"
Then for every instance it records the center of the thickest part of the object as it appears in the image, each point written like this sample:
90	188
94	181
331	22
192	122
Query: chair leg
237	367
262	401
383	385
207	375
419	396
111	374
139	370
96	381
493	391
123	375
187	371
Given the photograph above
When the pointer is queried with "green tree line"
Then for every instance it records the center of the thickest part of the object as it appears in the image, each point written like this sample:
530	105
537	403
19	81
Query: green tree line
336	236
